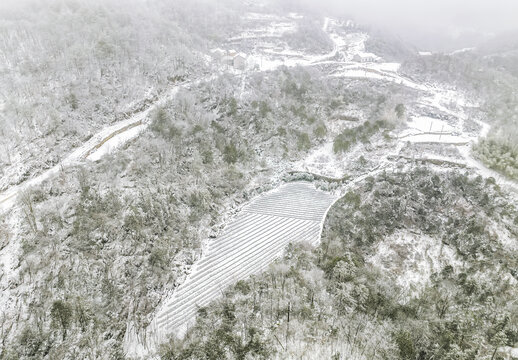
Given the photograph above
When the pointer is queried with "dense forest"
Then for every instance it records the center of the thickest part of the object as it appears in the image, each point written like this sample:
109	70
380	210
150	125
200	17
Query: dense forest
57	90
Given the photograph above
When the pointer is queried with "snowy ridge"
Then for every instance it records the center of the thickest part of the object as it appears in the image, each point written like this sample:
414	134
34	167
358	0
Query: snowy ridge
292	213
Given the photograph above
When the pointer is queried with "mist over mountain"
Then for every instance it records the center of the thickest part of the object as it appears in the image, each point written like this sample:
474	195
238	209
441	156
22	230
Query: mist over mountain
440	25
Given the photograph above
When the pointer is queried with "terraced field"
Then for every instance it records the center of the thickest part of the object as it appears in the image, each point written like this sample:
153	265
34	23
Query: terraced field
259	233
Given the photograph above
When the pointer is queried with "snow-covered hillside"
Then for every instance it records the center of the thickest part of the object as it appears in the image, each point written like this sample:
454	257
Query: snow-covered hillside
247	245
288	102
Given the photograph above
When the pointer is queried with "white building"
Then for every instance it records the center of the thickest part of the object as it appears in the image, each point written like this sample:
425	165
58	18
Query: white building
227	60
365	58
230	58
240	61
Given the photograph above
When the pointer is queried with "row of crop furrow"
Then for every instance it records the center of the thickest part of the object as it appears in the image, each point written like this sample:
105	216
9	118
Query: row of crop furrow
315	207
204	297
204	273
236	246
248	245
288	198
292	216
293	196
184	319
255	267
236	221
302	195
301	213
256	221
294	205
263	241
228	238
291	204
210	276
215	284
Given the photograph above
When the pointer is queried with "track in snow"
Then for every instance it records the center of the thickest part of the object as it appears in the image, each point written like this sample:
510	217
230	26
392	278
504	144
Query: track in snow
292	213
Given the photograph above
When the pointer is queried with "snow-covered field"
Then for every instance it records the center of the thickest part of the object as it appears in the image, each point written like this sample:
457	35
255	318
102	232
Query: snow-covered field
429	124
293	212
269	26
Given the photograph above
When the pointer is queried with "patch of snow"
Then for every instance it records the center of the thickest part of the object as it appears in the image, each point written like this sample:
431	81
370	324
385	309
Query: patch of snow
412	258
262	17
511	352
438	138
295	16
274	30
116	142
460	51
429	125
326	24
9	254
369	73
322	161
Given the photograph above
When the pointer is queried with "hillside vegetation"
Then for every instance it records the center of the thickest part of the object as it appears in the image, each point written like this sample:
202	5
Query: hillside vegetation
105	241
70	67
337	302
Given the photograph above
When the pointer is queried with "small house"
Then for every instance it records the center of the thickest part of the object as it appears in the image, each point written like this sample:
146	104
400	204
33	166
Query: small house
218	53
365	58
240	61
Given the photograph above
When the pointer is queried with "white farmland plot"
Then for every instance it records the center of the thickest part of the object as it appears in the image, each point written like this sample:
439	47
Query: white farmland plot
292	213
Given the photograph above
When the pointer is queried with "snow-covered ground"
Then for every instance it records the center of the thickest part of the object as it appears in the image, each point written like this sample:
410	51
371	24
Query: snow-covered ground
322	161
295	211
93	149
270	26
429	124
347	45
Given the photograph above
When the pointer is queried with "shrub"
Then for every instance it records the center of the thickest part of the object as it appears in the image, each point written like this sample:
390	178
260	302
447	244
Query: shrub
303	142
162	125
231	154
320	131
61	314
363	133
498	155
